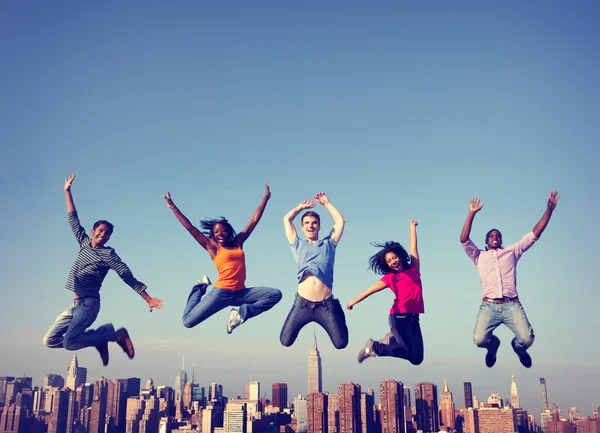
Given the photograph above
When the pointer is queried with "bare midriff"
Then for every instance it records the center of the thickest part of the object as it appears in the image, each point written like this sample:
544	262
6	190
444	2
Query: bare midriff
312	289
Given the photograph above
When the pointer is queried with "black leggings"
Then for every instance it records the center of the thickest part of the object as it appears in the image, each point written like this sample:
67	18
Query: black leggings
407	341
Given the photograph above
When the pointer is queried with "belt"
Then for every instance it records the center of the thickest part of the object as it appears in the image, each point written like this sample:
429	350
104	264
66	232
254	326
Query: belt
503	300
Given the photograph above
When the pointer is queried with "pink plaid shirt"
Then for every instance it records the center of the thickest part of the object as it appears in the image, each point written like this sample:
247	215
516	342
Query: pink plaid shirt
498	268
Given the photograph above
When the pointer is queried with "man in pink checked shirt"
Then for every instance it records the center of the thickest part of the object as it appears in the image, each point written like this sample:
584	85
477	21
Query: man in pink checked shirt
497	268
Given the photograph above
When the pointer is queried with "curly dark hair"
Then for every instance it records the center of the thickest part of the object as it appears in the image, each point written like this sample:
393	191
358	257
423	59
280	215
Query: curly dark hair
377	262
108	225
208	225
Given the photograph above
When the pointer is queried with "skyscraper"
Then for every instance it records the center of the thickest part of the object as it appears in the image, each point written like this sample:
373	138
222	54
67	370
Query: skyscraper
447	407
314	369
316	412
54	380
367	413
350	421
300	410
333	413
392	419
426	407
279	396
76	375
253	391
468	394
180	381
514	394
57	421
3	382
543	393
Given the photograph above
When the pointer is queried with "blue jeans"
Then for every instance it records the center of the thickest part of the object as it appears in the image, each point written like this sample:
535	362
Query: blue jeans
407	340
512	315
328	313
69	329
251	300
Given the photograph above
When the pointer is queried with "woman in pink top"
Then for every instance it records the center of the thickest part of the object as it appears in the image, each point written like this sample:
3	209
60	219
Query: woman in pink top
401	274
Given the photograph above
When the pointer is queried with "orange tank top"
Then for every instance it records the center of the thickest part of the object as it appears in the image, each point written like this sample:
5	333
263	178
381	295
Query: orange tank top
231	266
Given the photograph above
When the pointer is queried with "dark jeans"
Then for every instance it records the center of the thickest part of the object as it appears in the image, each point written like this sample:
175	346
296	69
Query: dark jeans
328	313
407	340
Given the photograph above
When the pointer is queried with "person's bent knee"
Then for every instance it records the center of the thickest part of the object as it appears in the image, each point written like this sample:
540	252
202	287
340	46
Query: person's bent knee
479	341
68	344
286	341
340	344
51	343
277	295
416	361
528	341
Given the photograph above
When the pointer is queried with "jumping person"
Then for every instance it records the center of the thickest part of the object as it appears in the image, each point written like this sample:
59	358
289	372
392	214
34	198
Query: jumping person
94	261
314	301
497	268
401	273
225	249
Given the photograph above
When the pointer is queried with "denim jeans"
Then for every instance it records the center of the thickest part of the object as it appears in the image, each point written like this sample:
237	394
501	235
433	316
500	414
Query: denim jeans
251	300
407	340
512	315
69	329
328	313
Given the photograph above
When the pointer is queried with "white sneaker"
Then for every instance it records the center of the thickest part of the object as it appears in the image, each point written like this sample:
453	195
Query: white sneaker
234	321
204	280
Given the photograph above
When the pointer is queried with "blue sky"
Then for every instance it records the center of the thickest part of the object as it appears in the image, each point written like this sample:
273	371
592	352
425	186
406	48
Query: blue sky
395	110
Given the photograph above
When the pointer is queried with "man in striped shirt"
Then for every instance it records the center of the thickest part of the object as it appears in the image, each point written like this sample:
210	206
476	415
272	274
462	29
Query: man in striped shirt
70	331
497	268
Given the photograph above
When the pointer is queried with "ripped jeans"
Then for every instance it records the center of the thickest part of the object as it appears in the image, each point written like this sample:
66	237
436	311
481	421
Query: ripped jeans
328	313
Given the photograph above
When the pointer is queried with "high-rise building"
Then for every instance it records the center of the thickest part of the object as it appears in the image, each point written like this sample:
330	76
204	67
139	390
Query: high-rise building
76	375
350	421
543	393
98	413
470	420
468	394
253	391
367	411
496	420
426	407
57	421
180	381
314	369
279	396
54	380
3	382
447	408
407	399
301	412
316	412
333	413
234	418
514	394
392	411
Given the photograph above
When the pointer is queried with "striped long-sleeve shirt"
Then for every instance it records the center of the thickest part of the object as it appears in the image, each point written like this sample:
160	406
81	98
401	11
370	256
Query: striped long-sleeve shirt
498	268
92	265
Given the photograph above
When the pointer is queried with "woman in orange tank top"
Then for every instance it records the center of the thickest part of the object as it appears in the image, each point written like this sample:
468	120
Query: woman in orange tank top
225	248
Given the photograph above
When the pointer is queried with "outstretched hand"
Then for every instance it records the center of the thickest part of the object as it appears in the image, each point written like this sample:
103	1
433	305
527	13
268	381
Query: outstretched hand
168	199
155	303
474	205
69	182
267	191
306	204
553	200
322	198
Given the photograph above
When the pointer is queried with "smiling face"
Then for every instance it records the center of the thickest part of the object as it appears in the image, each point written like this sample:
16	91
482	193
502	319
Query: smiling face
394	262
494	239
311	227
100	235
222	234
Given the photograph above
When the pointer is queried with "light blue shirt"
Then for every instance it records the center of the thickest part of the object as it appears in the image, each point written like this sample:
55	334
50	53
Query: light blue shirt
316	258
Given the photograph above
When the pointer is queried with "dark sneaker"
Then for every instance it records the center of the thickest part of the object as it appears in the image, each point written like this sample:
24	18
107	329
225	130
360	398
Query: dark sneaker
103	350
125	342
367	351
490	357
234	320
523	355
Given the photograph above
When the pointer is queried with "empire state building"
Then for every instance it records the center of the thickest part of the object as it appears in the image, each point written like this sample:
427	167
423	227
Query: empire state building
314	369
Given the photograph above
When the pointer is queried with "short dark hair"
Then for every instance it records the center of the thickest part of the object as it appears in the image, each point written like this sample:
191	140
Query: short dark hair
312	214
108	225
377	261
207	226
488	234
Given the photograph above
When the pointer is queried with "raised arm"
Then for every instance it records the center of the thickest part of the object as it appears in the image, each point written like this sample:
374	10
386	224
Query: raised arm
378	286
194	231
338	219
414	251
550	206
68	196
474	207
288	225
256	216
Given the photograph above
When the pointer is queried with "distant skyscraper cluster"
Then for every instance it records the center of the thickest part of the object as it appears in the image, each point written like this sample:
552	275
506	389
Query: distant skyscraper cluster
123	406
